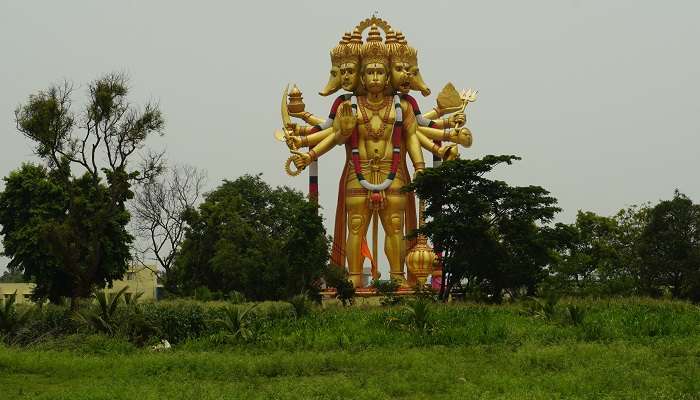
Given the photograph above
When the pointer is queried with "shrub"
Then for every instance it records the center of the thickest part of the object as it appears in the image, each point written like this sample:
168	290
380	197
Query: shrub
102	319
302	305
337	277
236	321
10	319
177	320
388	290
575	314
418	315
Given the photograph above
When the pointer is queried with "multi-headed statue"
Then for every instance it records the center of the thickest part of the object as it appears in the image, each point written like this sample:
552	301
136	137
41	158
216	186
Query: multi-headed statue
379	123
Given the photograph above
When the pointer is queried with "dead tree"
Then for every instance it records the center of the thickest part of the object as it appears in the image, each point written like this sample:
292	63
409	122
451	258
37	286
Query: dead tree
158	210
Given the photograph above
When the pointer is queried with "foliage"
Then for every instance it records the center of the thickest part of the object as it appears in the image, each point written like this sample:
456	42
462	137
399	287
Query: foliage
10	319
387	289
265	243
337	278
419	317
11	277
302	305
600	255
188	326
102	319
670	249
543	308
575	314
236	321
66	230
493	236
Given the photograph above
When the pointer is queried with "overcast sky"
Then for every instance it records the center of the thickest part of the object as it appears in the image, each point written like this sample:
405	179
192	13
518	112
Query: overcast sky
599	98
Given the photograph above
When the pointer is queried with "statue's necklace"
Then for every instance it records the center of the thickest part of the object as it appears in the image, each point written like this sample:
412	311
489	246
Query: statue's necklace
396	154
385	119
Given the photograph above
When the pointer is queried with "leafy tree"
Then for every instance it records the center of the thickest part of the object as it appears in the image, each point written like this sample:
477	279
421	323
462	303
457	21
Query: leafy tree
590	255
670	249
11	277
600	255
247	237
492	235
66	229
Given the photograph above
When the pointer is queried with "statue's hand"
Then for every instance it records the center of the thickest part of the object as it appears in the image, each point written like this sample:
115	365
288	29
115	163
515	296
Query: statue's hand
462	136
346	118
293	142
303	115
449	152
457	120
301	160
447	110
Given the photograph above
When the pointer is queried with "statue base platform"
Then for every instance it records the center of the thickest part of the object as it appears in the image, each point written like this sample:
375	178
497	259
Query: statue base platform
367	292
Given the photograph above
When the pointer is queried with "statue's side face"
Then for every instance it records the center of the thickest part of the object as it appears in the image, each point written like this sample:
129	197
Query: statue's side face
400	77
349	76
333	81
374	77
416	81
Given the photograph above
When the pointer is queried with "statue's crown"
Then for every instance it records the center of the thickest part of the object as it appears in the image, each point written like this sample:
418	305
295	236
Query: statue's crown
374	50
345	52
399	50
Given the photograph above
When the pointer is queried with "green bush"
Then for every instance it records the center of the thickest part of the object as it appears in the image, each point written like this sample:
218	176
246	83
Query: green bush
302	305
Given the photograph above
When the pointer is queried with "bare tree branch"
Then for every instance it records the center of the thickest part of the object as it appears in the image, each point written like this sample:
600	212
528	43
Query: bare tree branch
158	211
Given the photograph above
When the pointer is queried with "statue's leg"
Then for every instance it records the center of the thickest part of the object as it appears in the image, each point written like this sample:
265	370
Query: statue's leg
358	221
392	217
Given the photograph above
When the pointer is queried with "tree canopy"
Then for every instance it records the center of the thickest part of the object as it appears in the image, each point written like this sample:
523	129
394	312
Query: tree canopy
494	237
670	249
248	237
64	223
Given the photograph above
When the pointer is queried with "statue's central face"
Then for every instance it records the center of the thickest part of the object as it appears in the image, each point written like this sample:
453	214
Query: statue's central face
400	76
374	77
348	76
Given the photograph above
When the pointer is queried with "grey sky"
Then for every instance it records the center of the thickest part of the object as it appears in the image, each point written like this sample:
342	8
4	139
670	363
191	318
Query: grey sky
598	97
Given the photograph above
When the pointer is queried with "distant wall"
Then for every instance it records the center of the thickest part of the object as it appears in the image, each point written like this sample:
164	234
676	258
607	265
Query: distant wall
138	279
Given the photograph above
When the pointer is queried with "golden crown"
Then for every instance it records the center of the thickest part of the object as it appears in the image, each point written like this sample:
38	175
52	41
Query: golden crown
374	50
343	52
400	51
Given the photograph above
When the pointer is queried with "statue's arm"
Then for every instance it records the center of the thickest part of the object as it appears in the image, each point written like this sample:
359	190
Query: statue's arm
324	145
316	138
413	145
461	135
427	143
308	118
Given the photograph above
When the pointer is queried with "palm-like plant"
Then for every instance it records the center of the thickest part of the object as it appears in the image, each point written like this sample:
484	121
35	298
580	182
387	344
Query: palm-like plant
419	314
102	320
236	321
10	319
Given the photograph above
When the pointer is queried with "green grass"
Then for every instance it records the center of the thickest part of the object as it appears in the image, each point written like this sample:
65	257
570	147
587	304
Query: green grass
626	349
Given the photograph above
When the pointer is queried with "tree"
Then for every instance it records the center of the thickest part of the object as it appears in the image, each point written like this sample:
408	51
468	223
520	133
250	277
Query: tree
66	229
670	249
492	236
11	277
589	257
159	208
247	237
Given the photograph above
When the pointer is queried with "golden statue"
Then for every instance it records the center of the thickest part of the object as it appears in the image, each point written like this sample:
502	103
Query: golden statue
379	123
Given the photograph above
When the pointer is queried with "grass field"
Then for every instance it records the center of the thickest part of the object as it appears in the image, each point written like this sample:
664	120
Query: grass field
623	349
